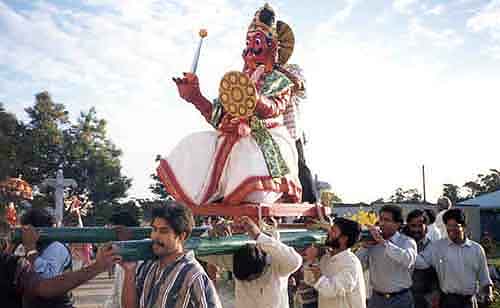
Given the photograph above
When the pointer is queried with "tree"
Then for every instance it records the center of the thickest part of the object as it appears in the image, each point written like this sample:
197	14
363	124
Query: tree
10	132
157	188
405	196
50	141
104	211
44	138
484	183
453	192
93	160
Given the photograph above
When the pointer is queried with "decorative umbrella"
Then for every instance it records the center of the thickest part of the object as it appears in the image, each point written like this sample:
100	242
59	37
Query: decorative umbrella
16	188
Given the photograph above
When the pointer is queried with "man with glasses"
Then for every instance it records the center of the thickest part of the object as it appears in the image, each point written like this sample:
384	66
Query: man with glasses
390	257
460	264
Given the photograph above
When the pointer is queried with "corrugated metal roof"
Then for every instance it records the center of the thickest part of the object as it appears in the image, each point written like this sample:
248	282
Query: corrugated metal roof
486	201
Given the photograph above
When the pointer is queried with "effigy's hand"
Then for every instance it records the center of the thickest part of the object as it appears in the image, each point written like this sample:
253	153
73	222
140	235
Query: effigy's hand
188	87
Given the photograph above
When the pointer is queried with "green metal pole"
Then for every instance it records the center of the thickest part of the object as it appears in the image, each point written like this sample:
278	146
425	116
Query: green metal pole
90	234
202	246
139	247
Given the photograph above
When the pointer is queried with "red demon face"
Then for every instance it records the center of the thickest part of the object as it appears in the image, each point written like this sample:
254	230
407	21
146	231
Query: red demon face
260	50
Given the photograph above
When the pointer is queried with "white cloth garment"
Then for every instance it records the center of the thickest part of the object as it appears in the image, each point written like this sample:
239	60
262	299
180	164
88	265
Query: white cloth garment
270	290
194	158
342	284
433	233
440	225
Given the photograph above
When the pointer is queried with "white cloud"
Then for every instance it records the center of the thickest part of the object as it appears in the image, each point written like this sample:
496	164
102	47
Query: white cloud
492	51
121	58
339	17
436	10
376	111
447	38
487	19
404	6
345	13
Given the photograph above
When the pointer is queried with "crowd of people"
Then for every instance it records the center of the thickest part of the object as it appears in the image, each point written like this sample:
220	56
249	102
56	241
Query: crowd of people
407	265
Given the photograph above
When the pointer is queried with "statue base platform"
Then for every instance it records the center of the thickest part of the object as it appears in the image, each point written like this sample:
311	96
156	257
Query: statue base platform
263	210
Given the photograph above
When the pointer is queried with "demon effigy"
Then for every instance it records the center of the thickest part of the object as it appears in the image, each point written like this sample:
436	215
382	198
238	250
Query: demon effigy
251	156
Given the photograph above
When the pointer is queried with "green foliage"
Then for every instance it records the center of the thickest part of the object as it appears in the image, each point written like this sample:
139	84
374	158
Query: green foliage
483	184
43	142
102	212
11	131
157	188
50	141
405	196
93	160
453	192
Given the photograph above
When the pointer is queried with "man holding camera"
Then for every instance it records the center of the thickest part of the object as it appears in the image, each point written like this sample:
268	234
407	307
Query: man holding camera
390	257
339	277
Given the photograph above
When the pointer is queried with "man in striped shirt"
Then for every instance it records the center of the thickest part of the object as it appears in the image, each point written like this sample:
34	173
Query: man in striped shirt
175	279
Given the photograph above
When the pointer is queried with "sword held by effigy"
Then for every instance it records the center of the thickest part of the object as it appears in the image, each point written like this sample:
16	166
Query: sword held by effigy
203	33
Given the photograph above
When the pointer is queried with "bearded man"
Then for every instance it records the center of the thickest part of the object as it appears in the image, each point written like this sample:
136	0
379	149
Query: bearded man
425	285
339	277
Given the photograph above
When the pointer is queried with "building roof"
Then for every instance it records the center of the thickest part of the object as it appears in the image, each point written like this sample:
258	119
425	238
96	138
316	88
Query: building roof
486	201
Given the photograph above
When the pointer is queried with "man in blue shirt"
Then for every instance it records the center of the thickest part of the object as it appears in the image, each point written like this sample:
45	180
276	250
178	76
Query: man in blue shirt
390	257
49	259
19	283
460	264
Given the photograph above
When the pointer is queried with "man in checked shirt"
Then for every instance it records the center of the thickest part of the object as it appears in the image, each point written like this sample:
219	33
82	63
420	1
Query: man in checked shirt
175	279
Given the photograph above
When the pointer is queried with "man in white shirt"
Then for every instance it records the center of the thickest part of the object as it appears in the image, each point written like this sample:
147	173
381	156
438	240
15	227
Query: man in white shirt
262	270
339	278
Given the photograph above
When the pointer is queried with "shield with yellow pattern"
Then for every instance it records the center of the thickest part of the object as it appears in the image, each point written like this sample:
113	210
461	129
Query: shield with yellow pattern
237	94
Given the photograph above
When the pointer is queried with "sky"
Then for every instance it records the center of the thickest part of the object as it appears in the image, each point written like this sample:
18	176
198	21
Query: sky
392	85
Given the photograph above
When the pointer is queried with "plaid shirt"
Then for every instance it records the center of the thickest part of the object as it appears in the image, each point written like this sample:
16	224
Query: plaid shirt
182	284
292	116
